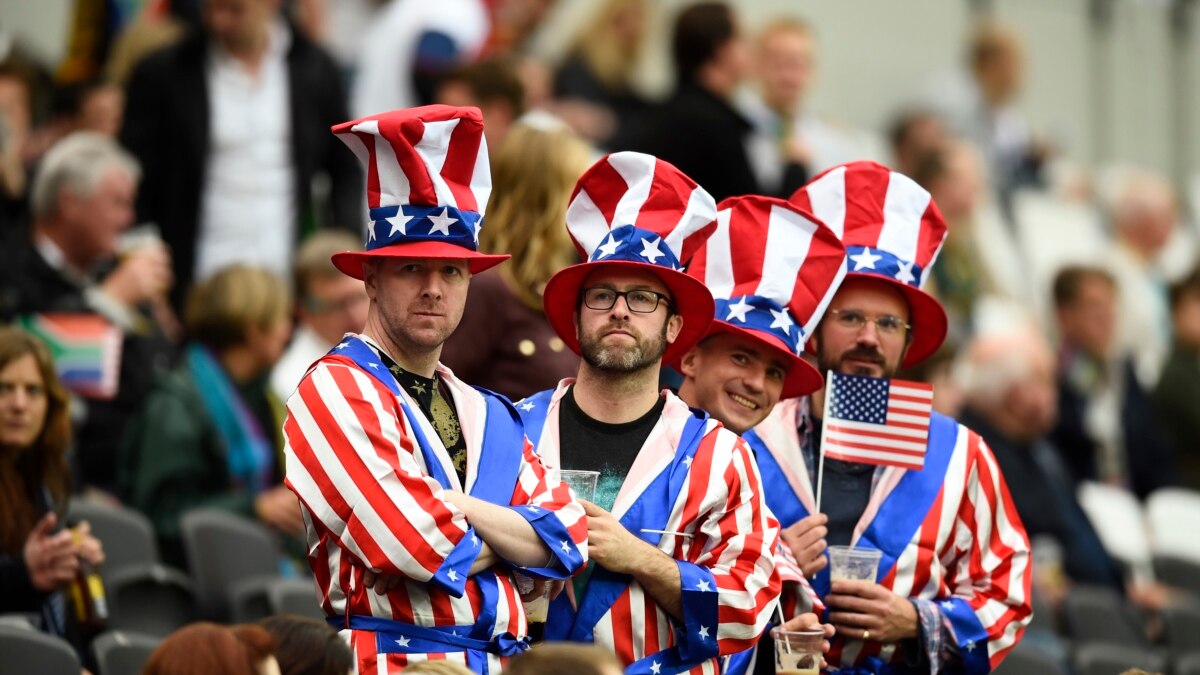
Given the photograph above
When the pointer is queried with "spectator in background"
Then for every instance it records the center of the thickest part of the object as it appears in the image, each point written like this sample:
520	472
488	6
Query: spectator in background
504	342
494	86
1177	395
1143	217
231	126
599	69
698	129
209	649
96	105
38	559
15	118
328	305
208	434
1107	430
1009	383
914	135
82	204
306	646
558	658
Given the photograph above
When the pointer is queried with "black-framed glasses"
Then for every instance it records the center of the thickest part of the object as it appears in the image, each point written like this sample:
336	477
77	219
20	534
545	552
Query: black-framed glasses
638	300
853	319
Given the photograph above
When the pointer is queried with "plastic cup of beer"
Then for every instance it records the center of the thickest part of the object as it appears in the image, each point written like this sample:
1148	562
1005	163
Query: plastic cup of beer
582	482
797	652
537	608
847	563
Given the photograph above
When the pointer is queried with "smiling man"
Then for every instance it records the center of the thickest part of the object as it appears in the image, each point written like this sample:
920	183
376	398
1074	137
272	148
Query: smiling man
386	449
678	532
952	589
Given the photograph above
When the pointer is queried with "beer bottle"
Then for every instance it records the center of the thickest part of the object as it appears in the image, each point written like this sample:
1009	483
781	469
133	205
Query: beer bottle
88	598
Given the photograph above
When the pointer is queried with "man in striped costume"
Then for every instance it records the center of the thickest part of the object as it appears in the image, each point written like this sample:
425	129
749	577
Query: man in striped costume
773	269
420	494
952	591
679	535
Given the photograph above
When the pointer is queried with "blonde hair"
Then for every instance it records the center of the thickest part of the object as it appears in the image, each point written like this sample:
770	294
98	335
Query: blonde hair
438	668
598	46
533	175
313	258
224	307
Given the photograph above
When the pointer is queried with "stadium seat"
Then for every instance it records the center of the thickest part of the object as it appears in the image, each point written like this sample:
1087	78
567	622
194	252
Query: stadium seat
1100	658
1117	516
1188	664
29	651
1178	572
1171	515
1182	624
222	550
122	653
152	599
127	536
1024	659
293	596
1096	614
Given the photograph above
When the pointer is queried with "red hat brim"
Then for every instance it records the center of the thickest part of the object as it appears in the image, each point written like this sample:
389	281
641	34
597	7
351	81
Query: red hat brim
690	297
350	263
802	377
925	314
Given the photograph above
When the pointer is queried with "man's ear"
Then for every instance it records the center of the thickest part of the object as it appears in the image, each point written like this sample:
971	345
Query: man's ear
690	364
674	327
370	278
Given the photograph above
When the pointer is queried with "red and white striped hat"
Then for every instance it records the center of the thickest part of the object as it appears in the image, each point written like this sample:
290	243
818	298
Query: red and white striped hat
892	231
636	211
428	182
773	269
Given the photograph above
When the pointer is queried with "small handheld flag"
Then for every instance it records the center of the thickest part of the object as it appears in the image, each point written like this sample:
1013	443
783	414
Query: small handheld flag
86	350
877	421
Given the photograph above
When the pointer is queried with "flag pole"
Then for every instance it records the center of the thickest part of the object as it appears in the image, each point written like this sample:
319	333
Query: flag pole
821	448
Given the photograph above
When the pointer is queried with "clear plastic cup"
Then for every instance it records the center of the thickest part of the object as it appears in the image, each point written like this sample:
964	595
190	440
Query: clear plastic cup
582	482
847	563
797	652
537	608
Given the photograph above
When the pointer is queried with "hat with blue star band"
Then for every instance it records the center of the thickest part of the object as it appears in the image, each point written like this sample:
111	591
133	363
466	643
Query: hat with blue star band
773	269
892	231
428	181
635	211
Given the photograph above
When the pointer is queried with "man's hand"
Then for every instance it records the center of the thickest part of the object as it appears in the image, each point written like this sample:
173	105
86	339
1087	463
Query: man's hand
52	559
863	610
806	539
279	508
611	545
810	621
540	586
142	275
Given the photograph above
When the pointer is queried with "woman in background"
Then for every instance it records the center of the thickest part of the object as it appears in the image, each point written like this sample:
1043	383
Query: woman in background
504	342
210	649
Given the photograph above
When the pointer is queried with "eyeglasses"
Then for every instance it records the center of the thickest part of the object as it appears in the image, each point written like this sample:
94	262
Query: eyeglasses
853	319
638	300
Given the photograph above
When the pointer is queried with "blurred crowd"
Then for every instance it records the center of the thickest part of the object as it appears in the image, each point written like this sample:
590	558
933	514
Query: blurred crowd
175	180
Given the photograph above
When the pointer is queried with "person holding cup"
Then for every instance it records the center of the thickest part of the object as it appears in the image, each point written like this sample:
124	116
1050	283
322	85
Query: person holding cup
950	590
681	541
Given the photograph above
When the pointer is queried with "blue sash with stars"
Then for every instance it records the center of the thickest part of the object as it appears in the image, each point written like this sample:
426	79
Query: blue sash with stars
696	640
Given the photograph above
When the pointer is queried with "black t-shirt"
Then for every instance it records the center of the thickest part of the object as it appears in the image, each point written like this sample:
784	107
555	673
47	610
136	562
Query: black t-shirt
845	494
589	445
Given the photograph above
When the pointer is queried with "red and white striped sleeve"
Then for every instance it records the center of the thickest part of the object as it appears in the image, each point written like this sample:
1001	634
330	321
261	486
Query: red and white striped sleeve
994	574
351	463
556	517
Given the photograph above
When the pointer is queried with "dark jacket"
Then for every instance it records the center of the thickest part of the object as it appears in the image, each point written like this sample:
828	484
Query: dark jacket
1177	401
29	285
167	128
704	137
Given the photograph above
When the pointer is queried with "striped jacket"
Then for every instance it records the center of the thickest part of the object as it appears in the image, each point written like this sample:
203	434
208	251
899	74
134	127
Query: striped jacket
691	476
370	476
950	536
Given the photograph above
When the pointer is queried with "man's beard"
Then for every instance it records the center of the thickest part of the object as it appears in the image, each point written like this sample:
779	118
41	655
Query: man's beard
643	354
826	363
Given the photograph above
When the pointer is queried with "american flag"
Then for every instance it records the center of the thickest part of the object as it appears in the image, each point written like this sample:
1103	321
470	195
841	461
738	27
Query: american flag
877	421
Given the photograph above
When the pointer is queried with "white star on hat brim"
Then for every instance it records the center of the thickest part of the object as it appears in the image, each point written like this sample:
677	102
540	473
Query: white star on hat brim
650	250
738	310
865	260
608	247
442	223
782	320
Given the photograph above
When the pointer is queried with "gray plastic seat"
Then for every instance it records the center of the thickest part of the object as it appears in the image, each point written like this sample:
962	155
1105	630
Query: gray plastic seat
1100	658
1188	664
127	536
1182	623
294	596
123	653
222	551
1178	572
150	599
1023	660
27	651
1097	614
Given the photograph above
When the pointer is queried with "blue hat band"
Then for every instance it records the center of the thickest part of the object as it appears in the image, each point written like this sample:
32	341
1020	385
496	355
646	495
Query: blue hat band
409	223
867	260
631	244
754	312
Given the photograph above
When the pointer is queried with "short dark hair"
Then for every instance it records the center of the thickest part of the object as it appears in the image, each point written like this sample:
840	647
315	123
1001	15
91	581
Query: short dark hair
307	646
1189	285
700	30
493	79
1070	279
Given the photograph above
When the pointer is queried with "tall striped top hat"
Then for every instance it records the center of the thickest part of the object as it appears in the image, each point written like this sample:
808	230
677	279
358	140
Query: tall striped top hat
892	231
634	211
428	181
773	269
